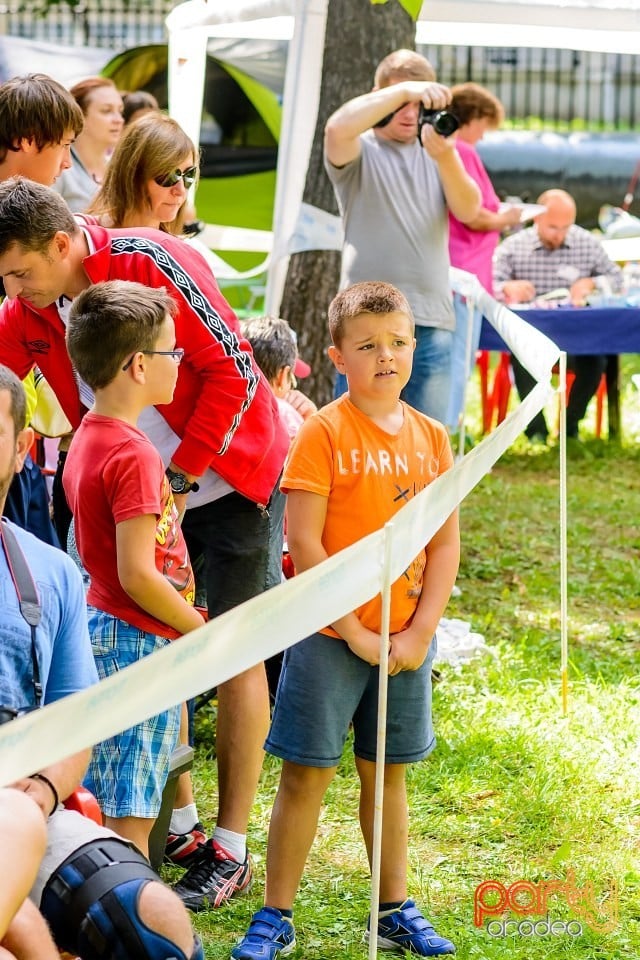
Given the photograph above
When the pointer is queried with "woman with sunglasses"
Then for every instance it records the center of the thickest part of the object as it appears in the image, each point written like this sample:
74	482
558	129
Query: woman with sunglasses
148	177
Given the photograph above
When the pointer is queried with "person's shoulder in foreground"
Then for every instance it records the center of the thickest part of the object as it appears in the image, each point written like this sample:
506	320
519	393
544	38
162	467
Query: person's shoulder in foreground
23	841
65	659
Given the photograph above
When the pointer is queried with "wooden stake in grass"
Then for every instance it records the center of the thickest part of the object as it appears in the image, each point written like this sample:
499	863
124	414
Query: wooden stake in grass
564	639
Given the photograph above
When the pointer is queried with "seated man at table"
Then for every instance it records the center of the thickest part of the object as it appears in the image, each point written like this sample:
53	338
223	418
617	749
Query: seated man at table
551	254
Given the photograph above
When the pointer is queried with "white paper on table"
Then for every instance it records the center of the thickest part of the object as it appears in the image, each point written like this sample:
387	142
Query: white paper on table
527	210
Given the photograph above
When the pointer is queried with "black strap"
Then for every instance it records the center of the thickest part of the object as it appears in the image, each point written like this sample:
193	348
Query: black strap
97	868
28	598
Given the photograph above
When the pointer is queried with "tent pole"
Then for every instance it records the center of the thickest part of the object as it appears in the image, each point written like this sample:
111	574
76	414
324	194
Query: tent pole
564	642
383	681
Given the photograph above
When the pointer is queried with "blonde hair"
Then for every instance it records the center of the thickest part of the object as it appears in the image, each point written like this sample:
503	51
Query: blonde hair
403	65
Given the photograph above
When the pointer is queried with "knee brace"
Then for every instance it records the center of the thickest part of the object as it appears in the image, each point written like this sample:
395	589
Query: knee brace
91	905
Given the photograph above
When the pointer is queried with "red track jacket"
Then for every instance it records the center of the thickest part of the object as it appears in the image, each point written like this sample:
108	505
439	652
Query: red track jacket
223	408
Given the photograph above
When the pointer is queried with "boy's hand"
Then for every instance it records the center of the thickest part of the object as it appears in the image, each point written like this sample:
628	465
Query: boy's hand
408	650
301	403
180	500
366	645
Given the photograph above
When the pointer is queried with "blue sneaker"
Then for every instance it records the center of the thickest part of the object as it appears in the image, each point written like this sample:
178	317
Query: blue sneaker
269	935
405	929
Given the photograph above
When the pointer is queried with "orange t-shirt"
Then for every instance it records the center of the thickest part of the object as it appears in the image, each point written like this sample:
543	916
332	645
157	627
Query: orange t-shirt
367	475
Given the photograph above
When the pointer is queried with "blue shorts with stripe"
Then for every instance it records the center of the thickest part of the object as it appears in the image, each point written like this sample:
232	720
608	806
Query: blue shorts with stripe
324	688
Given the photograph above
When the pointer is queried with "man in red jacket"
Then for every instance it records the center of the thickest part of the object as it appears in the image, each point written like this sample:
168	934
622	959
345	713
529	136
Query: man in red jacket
220	437
39	120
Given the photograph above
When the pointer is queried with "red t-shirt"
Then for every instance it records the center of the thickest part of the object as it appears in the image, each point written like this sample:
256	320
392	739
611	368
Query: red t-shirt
113	473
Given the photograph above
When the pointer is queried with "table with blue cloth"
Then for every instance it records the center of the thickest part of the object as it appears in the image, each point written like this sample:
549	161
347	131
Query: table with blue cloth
608	330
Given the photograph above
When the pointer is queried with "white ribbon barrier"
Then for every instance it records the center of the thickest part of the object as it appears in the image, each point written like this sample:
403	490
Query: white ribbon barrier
273	621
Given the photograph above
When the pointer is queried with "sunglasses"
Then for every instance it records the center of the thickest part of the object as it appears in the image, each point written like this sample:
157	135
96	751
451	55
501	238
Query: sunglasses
187	176
177	355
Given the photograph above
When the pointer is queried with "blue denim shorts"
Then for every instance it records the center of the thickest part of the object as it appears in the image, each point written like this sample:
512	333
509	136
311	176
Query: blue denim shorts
127	773
324	687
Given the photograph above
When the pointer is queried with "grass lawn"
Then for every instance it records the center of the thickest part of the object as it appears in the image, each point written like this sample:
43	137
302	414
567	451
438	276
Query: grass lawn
515	791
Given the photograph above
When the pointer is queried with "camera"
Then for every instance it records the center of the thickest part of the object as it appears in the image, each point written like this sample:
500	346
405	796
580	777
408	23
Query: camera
7	714
10	713
442	121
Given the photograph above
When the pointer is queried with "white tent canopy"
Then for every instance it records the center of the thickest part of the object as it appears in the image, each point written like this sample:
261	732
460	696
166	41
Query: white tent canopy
604	25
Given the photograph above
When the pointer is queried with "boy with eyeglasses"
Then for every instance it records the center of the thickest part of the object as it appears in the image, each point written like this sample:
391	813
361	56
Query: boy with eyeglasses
121	340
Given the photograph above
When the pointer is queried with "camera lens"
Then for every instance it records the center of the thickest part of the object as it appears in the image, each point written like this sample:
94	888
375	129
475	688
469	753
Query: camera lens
445	123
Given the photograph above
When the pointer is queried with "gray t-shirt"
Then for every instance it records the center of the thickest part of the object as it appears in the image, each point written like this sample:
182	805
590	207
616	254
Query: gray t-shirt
76	186
396	225
67	831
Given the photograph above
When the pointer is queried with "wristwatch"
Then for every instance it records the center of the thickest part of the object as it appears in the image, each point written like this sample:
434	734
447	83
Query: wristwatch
179	483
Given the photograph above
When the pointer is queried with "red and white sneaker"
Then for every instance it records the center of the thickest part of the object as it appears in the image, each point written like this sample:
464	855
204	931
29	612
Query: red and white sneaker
213	878
183	848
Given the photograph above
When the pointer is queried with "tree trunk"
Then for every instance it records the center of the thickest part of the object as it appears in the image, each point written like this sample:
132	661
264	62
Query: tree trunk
358	36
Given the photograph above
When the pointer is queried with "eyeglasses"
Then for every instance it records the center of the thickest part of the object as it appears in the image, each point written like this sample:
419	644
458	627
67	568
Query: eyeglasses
177	355
187	176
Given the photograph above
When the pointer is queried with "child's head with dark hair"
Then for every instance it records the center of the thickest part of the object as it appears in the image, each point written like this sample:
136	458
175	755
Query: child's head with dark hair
36	107
370	296
112	321
136	103
273	343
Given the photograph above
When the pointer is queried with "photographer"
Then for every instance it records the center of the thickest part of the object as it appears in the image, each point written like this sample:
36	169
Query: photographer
96	891
394	192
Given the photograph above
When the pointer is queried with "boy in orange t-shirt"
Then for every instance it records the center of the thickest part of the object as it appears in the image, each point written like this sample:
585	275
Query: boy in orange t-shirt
351	468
